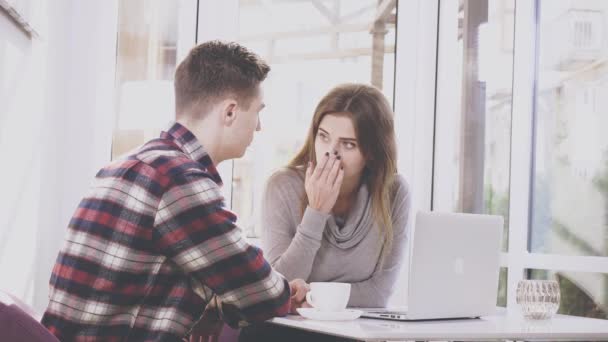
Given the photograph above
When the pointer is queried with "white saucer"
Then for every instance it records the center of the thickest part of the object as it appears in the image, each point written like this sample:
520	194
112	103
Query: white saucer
316	314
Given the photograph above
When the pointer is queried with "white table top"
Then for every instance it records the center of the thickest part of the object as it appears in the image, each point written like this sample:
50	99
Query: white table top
503	326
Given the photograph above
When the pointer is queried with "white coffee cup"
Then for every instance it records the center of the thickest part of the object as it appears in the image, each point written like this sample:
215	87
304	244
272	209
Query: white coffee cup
328	296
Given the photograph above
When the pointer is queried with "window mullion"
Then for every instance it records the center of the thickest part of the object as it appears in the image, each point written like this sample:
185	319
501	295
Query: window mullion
521	142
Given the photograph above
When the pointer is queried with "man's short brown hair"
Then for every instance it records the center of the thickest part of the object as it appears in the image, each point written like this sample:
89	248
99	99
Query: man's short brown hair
214	70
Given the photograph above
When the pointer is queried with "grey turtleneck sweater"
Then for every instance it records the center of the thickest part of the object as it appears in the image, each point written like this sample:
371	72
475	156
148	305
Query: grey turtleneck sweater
314	248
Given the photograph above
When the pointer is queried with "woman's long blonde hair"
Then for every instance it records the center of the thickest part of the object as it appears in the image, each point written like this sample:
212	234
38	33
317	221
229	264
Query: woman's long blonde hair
372	117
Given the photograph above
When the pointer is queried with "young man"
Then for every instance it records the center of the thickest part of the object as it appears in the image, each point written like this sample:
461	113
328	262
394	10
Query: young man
152	244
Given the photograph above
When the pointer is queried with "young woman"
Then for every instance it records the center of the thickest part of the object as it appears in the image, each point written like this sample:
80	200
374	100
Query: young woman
339	211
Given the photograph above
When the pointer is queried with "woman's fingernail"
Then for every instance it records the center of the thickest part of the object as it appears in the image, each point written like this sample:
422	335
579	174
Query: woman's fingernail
326	154
336	152
339	157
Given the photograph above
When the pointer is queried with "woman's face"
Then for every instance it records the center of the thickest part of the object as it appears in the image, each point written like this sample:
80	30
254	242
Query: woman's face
337	133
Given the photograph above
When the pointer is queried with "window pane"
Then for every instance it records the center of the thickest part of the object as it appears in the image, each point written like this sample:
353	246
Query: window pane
569	213
145	64
311	47
502	287
473	135
582	294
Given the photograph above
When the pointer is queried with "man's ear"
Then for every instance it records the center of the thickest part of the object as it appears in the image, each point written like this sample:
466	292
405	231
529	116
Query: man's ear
228	112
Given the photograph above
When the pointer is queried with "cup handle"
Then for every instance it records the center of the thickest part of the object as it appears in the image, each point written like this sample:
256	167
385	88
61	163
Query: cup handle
309	299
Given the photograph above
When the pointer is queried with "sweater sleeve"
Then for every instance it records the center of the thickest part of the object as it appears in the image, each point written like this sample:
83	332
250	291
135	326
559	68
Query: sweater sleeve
198	234
375	291
290	246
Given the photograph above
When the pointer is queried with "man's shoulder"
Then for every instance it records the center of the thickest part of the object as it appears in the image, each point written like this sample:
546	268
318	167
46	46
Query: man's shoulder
167	160
159	152
157	162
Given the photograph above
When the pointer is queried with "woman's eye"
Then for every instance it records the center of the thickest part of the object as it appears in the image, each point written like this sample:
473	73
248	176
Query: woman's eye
349	145
323	137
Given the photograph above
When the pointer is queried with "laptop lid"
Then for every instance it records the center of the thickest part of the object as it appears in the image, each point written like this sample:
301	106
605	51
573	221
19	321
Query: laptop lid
454	266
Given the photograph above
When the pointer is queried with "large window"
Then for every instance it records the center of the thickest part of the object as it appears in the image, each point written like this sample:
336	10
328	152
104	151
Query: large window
520	120
311	47
569	208
570	197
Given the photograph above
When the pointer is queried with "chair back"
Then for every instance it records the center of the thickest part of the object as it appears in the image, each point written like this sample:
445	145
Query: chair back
20	323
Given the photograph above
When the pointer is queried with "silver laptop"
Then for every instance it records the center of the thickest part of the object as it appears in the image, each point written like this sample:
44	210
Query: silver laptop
454	268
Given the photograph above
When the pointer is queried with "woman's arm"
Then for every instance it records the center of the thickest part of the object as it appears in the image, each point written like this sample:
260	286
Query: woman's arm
290	247
375	291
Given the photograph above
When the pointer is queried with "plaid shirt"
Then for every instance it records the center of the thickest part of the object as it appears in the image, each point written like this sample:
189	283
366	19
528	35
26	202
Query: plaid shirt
150	245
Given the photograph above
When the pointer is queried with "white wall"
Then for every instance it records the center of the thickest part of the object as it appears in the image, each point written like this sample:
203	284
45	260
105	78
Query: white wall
22	70
56	119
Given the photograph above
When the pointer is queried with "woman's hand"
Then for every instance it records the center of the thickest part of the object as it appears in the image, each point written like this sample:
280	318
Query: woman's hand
323	183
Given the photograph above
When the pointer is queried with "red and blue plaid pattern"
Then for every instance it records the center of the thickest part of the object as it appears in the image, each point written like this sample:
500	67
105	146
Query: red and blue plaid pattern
150	245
